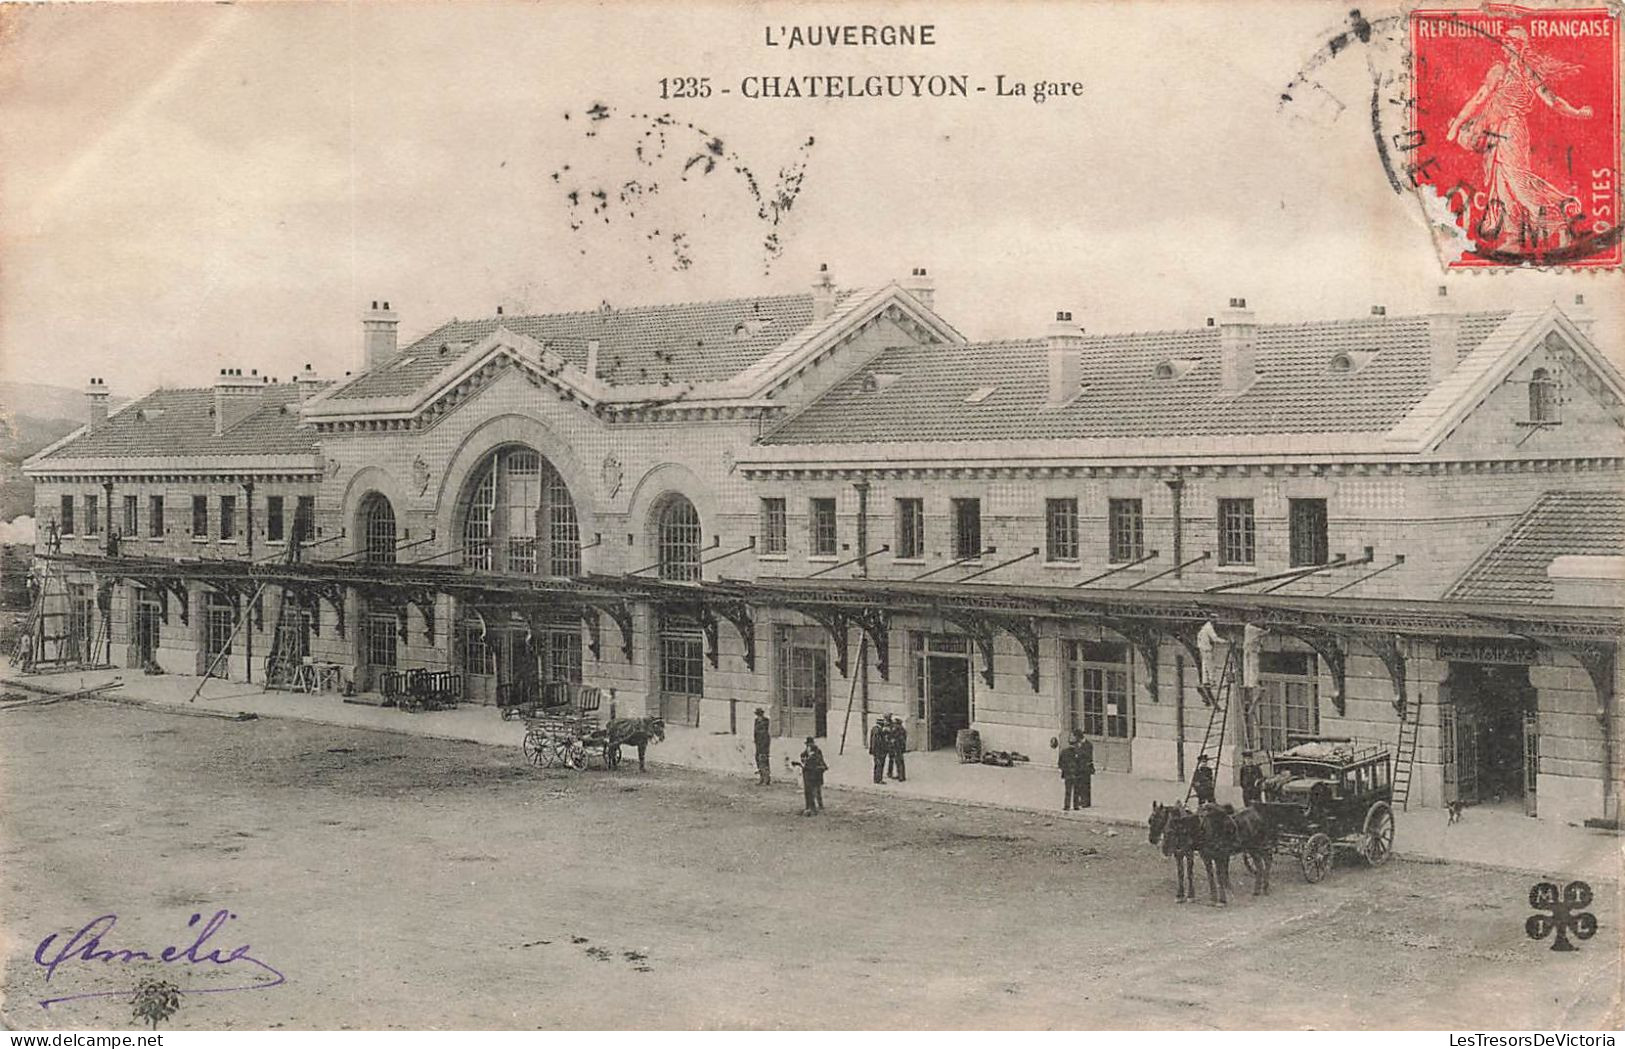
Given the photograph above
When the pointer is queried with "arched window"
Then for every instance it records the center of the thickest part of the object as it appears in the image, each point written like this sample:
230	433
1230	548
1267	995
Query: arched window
678	535
378	530
1542	397
520	517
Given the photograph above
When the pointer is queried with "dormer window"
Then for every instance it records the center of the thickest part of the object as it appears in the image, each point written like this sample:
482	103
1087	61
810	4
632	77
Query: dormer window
1349	361
1172	368
1543	407
980	394
873	381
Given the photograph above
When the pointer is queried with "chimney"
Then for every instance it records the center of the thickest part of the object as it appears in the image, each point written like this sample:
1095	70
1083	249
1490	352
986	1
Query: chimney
1580	315
1065	345
592	358
1238	348
378	333
307	382
922	287
96	403
1443	327
823	293
231	389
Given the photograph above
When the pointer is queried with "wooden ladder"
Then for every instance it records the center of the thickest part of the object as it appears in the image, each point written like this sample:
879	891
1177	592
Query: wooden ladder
1218	718
1405	757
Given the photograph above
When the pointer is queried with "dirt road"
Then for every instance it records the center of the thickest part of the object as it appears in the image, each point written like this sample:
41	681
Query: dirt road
402	882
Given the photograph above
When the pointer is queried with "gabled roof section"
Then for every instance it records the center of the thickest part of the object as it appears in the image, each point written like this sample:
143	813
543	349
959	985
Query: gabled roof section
729	349
1477	375
1122	402
174	424
1559	524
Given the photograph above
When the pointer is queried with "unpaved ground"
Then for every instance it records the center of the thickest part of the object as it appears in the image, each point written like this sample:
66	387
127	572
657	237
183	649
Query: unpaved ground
405	882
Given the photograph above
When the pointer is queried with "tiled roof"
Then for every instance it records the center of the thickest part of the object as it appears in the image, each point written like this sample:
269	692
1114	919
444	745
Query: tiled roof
1560	523
684	342
919	393
180	422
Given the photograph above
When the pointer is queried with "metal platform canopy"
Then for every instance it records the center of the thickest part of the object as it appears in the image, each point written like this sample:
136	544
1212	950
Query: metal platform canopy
1145	618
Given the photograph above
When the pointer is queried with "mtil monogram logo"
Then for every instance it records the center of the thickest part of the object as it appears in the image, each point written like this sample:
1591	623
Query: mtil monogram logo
1567	914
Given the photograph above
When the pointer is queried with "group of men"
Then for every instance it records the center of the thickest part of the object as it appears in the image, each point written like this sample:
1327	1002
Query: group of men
888	742
811	763
1077	771
1204	785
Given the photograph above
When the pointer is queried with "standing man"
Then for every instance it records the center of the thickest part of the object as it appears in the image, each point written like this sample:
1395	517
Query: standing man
1252	779
895	764
1202	783
1071	763
879	737
764	743
812	778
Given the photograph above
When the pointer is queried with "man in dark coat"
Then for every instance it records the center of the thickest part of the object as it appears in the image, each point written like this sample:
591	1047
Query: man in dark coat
764	744
879	741
1202	782
1252	779
1077	768
897	740
812	778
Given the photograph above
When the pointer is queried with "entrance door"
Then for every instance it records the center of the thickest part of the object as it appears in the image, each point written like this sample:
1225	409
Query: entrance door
148	613
804	684
1447	749
218	626
1099	702
947	698
1496	739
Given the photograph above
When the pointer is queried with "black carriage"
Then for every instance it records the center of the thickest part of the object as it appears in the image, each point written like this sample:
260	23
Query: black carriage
1327	794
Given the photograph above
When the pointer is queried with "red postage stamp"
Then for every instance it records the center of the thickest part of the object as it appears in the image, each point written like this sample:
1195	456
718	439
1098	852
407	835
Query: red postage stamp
1517	114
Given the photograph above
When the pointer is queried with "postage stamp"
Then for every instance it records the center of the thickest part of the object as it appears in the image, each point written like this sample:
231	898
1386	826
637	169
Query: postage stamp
1516	114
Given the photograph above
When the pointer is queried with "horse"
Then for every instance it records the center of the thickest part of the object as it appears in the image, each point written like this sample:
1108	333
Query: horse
1178	830
634	732
1225	832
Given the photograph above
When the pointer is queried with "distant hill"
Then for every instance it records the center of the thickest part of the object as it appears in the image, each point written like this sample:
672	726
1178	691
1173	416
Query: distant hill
32	416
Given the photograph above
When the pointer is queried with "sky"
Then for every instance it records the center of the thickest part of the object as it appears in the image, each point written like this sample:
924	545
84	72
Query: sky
197	186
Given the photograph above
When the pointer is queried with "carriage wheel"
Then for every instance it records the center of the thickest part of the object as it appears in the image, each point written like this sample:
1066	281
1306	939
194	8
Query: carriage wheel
533	750
575	754
1316	858
1377	844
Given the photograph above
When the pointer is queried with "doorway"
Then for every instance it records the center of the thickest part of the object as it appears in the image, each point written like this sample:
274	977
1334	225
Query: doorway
942	687
1497	740
220	624
803	682
148	614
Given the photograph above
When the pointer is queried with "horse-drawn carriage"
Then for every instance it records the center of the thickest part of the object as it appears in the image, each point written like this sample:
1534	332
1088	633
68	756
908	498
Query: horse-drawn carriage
1326	794
562	729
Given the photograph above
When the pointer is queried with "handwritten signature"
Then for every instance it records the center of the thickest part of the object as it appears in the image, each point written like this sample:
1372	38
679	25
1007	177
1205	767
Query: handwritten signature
86	946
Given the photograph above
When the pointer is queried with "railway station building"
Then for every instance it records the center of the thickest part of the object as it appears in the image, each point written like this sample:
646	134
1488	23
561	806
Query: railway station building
832	505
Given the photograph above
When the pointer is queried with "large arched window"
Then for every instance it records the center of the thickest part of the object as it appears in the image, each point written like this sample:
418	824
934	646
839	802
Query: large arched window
1542	397
520	518
378	530
677	531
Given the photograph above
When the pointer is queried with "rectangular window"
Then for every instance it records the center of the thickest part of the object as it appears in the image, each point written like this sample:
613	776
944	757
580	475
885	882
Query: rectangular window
1097	687
1288	704
1060	529
93	517
1126	527
821	541
67	515
967	528
273	518
228	517
132	515
1309	546
911	529
200	517
682	662
524	501
155	516
564	655
304	519
479	656
381	628
775	529
1236	532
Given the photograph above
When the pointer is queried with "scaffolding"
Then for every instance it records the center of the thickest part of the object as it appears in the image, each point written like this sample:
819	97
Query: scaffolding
68	626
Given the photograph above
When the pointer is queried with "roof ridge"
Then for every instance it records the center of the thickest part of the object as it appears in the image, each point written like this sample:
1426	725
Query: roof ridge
644	307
